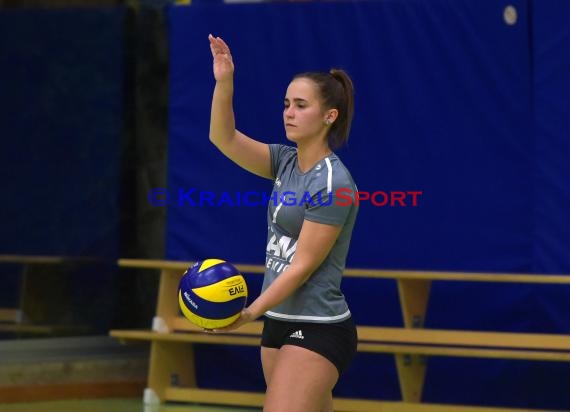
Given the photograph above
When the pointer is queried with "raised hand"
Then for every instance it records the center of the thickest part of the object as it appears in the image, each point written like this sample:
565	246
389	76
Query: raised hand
223	63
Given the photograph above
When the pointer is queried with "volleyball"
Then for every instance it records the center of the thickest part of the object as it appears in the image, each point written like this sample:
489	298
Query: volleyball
212	293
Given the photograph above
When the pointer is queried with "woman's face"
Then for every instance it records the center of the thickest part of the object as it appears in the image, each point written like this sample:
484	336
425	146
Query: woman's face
303	115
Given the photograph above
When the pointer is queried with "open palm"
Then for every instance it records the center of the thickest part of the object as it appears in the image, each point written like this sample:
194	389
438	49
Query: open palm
223	63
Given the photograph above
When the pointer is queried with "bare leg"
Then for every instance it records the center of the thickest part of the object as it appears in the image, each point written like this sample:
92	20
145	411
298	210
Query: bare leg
268	357
300	381
328	404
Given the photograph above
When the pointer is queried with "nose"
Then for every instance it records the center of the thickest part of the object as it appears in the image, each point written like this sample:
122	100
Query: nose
288	112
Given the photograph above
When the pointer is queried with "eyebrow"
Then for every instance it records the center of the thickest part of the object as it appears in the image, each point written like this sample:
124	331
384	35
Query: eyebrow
297	100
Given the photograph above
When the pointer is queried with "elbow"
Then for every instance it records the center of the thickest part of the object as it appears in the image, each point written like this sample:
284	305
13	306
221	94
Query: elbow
215	137
216	141
222	138
212	135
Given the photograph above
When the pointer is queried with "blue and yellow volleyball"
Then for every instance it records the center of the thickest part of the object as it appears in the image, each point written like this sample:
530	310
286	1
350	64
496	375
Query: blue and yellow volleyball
212	293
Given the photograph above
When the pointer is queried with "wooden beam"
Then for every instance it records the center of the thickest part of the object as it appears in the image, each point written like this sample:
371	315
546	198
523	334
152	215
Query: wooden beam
153	264
225	339
47	260
214	396
374	273
467	352
167	301
400	349
180	323
170	364
380	335
512	340
370	335
31	329
255	399
11	315
414	296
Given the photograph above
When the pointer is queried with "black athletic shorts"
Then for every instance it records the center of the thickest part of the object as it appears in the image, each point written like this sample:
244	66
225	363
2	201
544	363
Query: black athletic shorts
335	341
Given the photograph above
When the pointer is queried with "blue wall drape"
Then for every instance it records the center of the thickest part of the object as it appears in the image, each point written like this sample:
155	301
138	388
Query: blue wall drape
450	101
61	125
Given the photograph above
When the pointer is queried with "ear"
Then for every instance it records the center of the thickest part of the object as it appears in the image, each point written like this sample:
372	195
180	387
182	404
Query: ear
330	116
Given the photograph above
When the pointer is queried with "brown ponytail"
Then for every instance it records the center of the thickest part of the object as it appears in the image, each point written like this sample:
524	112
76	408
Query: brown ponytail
337	92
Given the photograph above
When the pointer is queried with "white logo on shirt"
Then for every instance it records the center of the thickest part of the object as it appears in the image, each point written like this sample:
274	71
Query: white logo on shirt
277	182
284	249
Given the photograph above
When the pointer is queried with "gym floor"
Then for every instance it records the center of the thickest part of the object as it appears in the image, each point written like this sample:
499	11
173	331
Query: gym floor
113	405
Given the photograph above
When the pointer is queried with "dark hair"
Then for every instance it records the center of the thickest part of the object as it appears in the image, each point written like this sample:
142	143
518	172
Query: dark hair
337	92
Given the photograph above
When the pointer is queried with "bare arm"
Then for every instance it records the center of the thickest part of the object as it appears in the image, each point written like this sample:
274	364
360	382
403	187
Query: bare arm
315	243
246	152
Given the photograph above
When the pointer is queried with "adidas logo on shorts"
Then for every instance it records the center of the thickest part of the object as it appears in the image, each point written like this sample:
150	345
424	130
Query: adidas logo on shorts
297	334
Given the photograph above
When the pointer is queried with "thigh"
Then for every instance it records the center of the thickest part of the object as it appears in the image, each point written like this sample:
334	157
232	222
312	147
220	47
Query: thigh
268	358
272	339
301	381
328	405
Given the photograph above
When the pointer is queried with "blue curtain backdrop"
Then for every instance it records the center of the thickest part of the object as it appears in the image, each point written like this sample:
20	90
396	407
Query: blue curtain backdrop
61	126
447	103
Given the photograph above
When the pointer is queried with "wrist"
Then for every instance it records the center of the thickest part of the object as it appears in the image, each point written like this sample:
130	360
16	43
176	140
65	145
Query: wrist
254	311
225	83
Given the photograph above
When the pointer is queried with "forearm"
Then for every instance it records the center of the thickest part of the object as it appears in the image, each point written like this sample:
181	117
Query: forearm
283	287
222	120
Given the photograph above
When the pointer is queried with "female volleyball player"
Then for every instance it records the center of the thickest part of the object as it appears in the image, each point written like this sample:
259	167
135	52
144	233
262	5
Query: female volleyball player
309	337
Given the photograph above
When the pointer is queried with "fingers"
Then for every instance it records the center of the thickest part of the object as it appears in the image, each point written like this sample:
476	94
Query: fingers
213	44
219	330
217	45
238	322
224	45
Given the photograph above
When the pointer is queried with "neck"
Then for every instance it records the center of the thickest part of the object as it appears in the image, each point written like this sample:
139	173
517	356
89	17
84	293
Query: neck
309	153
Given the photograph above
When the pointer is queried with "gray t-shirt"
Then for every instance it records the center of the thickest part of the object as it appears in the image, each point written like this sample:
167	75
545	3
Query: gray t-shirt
324	194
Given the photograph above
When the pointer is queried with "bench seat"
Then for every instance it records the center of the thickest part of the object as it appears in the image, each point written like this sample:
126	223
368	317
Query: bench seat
172	340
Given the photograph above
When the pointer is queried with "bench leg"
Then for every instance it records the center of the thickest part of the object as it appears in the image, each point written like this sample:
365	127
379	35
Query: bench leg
171	364
167	304
414	295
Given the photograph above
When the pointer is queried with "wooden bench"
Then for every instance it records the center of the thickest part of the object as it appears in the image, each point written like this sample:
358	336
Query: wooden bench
15	320
172	337
83	373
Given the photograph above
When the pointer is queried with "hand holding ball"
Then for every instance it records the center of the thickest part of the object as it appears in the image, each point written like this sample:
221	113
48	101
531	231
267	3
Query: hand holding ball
212	294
